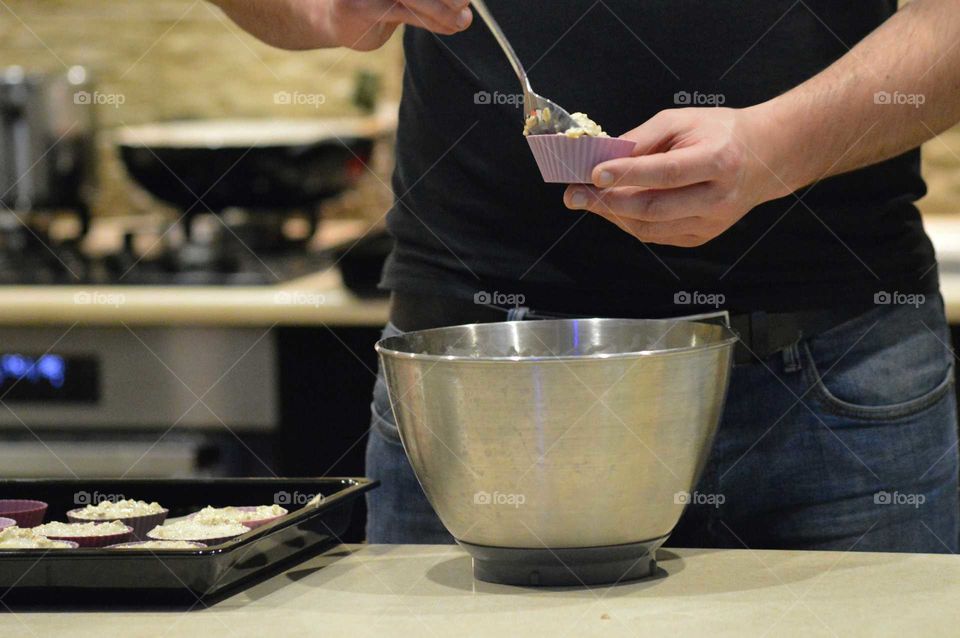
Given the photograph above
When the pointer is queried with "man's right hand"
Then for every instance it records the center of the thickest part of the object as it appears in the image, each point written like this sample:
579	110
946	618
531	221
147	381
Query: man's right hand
363	25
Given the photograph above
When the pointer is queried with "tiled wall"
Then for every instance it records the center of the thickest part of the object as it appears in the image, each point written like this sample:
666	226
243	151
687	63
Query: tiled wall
176	58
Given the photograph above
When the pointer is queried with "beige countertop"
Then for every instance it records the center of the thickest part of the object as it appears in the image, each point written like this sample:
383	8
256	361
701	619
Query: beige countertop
406	590
318	299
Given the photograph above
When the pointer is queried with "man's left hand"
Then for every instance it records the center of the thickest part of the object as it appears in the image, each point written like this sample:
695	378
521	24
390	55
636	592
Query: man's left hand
695	172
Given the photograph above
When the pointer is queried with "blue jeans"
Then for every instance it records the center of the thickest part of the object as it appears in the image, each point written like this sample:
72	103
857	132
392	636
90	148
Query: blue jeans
847	440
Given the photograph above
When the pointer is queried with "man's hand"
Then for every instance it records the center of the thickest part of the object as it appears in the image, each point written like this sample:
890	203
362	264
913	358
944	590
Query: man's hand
363	25
695	172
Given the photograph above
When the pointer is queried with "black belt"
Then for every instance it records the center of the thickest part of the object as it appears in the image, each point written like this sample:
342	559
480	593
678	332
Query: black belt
761	334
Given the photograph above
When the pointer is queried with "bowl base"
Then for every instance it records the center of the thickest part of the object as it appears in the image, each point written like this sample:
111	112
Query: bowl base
577	566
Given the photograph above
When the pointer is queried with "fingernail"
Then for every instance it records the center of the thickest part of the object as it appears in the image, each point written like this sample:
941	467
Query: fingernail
578	199
463	18
605	179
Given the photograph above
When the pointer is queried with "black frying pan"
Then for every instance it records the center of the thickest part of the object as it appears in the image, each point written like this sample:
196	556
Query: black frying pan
263	164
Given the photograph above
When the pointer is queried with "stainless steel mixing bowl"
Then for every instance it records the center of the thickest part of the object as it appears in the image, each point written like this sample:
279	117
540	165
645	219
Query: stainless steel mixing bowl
559	434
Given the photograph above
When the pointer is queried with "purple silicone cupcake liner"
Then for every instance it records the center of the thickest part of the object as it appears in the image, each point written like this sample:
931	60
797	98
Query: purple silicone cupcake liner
209	542
140	524
138	544
571	160
96	541
261	521
6	522
25	512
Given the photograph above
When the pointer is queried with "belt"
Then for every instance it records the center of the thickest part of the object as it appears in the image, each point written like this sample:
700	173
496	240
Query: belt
762	334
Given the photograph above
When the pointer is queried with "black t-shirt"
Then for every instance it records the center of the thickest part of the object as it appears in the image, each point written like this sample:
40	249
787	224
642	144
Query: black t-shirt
472	213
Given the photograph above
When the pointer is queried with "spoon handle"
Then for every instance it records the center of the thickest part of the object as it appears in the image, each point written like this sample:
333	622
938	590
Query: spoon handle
494	27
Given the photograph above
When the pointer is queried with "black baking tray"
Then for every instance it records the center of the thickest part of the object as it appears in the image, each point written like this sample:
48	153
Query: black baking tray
182	577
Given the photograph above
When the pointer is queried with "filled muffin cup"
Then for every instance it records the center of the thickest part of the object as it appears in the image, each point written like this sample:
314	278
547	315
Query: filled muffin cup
140	524
147	545
26	512
571	160
209	542
6	522
100	540
254	523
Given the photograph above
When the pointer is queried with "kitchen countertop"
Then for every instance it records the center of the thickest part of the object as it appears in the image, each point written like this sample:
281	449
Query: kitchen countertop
317	299
408	590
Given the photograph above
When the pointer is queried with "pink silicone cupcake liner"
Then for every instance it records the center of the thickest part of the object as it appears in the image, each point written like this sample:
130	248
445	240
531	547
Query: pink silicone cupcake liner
136	544
571	160
6	522
259	521
140	524
25	512
96	541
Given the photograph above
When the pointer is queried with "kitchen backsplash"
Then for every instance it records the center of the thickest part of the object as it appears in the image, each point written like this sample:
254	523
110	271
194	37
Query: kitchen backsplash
166	59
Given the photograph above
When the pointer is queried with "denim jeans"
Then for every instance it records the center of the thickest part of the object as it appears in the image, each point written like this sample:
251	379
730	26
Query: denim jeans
846	440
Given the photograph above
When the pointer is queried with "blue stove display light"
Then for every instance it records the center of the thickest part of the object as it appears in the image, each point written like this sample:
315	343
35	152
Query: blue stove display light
49	368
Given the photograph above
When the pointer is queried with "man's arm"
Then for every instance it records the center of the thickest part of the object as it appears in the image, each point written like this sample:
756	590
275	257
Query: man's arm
896	89
698	171
356	24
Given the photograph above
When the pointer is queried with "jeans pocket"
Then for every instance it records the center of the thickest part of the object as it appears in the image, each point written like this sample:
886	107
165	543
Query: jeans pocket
893	364
381	411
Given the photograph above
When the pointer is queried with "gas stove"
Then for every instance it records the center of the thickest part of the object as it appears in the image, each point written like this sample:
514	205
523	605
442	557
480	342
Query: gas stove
232	249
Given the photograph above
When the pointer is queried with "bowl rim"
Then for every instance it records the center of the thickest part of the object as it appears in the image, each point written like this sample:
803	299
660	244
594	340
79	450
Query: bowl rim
727	342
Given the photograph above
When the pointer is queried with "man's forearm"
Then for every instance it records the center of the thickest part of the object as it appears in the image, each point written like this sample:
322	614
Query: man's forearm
897	88
281	24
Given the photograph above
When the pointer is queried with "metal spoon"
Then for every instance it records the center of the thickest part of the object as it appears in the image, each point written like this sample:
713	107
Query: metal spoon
549	116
